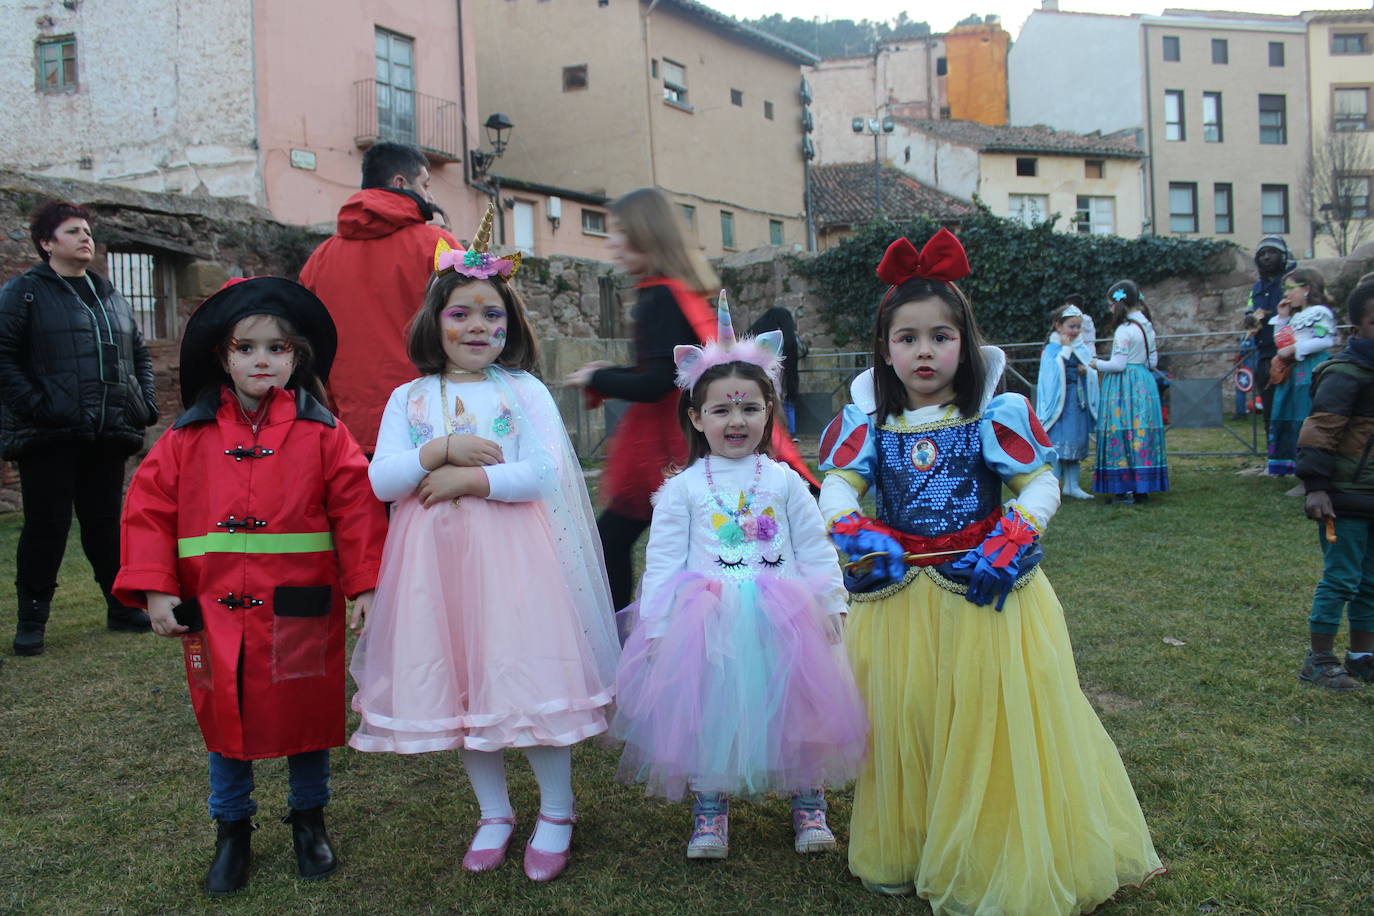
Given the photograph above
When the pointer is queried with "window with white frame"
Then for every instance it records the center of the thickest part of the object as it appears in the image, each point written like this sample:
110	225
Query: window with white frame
593	222
1182	206
1350	108
1211	117
1274	209
1028	208
1096	215
674	82
1173	115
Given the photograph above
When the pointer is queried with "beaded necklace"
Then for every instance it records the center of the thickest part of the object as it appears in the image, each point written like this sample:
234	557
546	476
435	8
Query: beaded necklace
738	526
746	499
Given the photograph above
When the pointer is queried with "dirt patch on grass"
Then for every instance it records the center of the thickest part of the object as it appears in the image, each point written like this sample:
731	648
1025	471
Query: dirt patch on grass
1105	700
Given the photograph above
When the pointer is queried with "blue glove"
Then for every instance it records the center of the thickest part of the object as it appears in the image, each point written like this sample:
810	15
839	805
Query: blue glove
873	572
994	564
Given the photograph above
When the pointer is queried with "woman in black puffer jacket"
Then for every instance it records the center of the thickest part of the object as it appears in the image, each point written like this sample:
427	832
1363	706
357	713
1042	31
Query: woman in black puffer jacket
76	393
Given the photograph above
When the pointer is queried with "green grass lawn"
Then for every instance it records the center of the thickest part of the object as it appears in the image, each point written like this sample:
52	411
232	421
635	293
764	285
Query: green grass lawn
1256	787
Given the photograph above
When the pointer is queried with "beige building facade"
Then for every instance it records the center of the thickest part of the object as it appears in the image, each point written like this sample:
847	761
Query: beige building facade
1226	105
633	93
1094	183
1340	53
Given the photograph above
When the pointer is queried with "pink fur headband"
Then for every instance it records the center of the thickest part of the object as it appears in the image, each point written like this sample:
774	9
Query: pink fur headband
764	351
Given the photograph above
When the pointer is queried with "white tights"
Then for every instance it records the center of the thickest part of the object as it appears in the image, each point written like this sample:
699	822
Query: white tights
552	768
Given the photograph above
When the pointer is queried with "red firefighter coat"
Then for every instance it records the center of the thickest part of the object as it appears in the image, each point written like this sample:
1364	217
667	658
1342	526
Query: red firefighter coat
265	531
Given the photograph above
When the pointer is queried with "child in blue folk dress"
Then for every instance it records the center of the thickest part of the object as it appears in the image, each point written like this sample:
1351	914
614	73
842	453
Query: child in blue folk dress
1066	393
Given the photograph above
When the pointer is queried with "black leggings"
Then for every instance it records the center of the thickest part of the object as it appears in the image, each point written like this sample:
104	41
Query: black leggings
618	536
54	479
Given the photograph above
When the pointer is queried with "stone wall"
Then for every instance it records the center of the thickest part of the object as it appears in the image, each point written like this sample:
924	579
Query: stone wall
579	308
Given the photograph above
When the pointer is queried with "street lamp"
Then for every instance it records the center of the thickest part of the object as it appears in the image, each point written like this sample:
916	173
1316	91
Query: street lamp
876	127
497	126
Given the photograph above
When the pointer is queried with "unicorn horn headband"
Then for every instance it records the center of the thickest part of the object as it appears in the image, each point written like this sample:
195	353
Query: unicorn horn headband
764	351
476	261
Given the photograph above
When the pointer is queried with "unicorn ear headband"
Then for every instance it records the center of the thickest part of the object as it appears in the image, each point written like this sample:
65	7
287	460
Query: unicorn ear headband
942	258
764	351
476	262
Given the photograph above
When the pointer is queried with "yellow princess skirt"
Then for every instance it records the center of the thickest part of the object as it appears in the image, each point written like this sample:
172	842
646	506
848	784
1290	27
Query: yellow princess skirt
990	784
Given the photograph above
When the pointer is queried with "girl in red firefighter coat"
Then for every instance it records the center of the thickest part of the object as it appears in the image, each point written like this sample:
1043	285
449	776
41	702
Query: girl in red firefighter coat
244	529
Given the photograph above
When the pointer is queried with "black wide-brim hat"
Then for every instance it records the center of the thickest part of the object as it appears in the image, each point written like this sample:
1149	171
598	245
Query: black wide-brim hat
201	364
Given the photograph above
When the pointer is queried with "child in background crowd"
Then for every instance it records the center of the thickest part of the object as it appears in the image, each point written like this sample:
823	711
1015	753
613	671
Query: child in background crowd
1066	393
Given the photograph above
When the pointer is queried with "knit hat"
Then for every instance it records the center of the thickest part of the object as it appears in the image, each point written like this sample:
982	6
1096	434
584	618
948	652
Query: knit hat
1272	241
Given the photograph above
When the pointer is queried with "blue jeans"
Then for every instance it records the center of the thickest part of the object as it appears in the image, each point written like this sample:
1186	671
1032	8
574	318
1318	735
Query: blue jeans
231	784
1347	582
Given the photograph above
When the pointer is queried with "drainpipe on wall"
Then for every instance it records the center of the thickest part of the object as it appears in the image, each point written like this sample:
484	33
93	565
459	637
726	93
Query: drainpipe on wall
492	192
649	94
1150	134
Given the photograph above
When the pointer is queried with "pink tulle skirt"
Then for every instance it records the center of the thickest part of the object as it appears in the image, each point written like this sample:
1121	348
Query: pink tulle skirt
743	693
472	640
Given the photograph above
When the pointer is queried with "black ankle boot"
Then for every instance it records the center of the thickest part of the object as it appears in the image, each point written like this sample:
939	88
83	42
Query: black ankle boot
33	620
228	872
314	856
127	619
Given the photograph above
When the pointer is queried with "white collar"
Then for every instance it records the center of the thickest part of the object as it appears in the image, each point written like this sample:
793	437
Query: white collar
862	394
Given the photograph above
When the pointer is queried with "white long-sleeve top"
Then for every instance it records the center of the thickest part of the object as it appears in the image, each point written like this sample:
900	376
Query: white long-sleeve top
690	531
414	415
1314	330
1132	345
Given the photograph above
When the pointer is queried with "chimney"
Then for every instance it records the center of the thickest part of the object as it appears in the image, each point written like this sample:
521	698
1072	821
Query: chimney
1050	5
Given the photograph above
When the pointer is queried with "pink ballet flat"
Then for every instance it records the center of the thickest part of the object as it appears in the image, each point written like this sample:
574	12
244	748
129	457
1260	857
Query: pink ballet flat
486	859
545	866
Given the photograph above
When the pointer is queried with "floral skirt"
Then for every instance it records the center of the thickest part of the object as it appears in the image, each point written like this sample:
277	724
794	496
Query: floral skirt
1130	434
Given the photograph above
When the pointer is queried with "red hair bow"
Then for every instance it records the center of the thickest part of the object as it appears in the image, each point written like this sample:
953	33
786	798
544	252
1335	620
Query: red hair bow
943	258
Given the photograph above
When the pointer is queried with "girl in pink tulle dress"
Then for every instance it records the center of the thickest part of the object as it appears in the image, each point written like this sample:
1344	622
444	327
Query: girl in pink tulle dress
734	680
492	627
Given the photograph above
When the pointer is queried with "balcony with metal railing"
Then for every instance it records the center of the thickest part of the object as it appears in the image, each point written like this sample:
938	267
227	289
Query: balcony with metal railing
403	116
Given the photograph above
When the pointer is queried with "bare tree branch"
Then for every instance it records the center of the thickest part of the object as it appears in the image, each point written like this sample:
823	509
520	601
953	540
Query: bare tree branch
1340	172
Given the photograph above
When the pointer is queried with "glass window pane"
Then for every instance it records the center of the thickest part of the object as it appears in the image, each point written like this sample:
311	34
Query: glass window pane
401	50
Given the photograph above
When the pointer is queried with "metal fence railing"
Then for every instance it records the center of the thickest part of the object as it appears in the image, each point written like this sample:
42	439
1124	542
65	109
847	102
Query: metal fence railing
388	113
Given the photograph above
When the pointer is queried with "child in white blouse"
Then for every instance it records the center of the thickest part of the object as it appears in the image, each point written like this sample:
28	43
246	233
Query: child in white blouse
492	626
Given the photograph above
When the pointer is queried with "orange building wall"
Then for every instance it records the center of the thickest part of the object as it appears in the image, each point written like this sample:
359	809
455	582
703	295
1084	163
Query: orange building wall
977	81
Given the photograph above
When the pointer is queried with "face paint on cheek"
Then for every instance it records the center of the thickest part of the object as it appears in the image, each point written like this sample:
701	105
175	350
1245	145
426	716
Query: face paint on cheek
498	337
451	335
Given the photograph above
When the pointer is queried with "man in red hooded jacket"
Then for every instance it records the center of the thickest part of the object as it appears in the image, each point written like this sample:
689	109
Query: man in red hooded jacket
371	274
